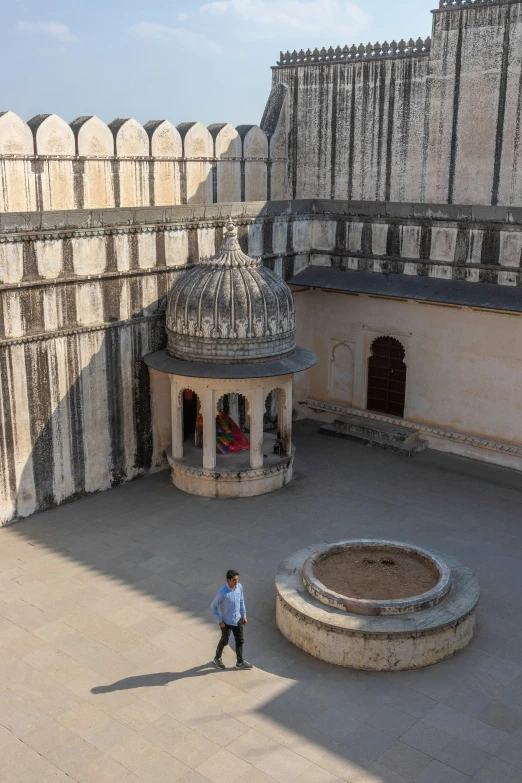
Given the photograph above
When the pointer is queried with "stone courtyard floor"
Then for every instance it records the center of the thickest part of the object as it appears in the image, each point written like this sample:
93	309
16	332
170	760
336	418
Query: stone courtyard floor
106	636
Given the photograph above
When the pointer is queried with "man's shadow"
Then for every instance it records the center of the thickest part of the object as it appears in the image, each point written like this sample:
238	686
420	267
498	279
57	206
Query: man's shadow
155	680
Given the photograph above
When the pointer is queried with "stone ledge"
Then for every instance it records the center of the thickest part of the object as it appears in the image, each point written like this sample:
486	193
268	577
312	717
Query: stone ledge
439	432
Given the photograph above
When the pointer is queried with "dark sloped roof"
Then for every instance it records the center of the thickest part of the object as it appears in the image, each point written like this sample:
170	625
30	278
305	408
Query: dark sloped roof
424	289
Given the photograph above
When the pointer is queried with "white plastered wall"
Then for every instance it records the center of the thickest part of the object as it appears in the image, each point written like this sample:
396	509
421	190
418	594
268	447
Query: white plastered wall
464	365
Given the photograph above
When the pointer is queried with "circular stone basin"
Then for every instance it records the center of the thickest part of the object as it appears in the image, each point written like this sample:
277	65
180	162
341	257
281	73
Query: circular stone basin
374	577
374	634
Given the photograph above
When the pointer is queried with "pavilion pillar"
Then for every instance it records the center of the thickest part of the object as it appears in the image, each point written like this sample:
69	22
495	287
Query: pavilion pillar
176	407
208	409
284	415
257	412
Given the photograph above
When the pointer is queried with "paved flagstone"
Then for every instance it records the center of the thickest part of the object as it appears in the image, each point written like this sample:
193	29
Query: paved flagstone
106	637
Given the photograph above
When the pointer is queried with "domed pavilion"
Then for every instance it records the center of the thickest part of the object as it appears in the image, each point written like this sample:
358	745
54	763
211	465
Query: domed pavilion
230	330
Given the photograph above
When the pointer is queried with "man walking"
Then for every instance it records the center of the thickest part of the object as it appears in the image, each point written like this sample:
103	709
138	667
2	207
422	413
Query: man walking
228	607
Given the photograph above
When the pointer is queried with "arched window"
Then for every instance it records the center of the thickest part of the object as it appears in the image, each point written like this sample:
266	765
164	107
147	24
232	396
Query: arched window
387	377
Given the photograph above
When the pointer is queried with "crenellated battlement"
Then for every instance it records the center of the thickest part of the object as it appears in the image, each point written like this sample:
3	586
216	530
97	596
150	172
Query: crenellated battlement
357	53
449	5
48	164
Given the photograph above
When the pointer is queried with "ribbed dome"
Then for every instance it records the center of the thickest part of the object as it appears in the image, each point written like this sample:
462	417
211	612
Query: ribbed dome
230	309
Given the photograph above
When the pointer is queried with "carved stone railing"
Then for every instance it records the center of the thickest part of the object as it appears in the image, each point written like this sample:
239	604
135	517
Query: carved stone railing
449	5
354	53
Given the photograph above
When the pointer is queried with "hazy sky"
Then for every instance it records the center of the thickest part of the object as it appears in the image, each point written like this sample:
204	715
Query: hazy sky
175	59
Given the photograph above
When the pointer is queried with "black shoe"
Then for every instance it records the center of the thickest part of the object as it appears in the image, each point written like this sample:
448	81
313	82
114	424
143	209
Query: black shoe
244	665
218	663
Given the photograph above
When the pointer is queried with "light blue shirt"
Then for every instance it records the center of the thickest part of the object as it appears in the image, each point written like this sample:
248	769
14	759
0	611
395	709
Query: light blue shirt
229	605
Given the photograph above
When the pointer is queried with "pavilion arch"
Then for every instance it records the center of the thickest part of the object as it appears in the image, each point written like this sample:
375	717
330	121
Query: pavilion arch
237	405
190	405
284	402
273	399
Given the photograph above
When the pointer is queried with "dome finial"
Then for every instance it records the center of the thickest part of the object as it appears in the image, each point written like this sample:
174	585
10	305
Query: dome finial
230	226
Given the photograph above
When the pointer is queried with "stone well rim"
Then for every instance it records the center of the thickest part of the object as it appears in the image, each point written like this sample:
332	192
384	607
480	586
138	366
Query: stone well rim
460	601
371	607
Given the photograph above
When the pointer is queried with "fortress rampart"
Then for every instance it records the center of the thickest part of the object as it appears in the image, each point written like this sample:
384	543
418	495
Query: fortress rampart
363	161
46	164
430	121
83	297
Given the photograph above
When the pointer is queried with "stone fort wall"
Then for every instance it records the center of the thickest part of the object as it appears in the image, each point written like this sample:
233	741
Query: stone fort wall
46	164
83	296
96	220
431	121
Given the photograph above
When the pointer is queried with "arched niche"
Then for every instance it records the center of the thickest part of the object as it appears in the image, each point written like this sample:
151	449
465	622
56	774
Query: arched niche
341	373
387	376
16	137
52	135
197	141
93	137
130	138
164	138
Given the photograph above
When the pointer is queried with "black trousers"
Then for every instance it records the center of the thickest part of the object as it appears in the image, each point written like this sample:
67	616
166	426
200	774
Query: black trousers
237	630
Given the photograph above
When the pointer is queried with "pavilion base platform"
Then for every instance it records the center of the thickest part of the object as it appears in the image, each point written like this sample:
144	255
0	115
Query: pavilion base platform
232	477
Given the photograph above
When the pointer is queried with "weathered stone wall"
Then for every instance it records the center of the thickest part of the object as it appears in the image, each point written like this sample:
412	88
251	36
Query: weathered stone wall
356	129
46	164
476	244
82	300
436	121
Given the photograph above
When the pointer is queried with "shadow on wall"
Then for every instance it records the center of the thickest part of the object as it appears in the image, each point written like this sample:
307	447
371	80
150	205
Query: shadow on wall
77	414
75	408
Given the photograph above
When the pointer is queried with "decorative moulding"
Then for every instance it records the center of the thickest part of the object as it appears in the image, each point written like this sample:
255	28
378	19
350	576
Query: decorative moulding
357	53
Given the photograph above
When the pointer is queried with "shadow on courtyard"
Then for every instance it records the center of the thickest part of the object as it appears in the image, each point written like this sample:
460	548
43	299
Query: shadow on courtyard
171	550
153	680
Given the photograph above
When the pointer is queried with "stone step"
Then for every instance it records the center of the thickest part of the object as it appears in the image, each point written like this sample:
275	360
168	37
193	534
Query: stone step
375	429
414	446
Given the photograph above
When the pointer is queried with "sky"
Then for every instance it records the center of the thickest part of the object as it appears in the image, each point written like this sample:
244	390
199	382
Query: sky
174	59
